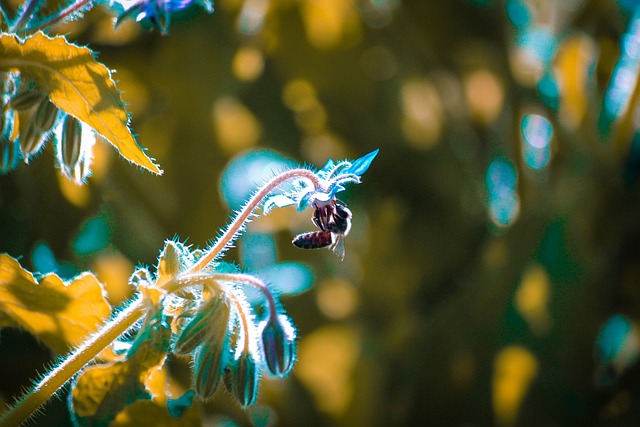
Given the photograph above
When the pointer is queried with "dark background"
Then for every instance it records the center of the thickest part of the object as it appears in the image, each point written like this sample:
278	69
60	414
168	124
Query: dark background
438	315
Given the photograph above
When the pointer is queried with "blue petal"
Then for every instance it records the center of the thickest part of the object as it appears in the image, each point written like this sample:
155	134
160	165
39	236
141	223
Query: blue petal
206	5
176	5
304	200
277	201
326	168
335	189
360	166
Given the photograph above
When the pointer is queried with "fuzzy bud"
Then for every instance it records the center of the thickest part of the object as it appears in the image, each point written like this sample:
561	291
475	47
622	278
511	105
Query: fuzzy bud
70	148
208	368
278	344
209	322
242	379
74	149
25	100
9	149
31	141
45	116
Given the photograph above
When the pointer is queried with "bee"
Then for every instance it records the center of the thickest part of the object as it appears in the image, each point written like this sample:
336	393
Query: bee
313	240
334	221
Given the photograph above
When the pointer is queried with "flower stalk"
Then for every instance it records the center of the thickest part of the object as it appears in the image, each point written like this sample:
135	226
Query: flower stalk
25	15
54	380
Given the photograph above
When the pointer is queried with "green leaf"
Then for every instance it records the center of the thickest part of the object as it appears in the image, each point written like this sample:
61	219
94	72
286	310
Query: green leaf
77	84
59	314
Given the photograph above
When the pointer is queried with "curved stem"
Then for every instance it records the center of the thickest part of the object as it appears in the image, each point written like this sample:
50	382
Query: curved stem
238	222
248	279
55	379
244	321
200	278
23	19
53	19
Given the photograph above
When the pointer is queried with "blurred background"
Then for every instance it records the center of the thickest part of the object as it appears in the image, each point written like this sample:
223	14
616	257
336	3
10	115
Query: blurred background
492	274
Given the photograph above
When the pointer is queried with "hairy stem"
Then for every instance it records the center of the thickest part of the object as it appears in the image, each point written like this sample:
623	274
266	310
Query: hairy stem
25	15
55	379
60	16
248	279
239	221
202	278
244	321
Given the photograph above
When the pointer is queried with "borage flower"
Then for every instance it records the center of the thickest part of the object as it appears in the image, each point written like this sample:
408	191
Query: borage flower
158	12
330	215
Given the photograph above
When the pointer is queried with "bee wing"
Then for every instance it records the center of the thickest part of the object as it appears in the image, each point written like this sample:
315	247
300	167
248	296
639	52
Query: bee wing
338	245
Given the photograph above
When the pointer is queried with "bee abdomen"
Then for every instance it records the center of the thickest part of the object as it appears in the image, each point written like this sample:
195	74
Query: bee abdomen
313	240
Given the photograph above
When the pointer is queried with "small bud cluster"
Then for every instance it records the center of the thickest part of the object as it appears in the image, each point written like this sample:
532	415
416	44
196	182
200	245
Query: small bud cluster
195	306
213	324
29	120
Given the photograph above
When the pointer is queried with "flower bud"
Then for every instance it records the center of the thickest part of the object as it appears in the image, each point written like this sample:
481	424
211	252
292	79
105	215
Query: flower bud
71	144
31	141
25	100
45	116
9	149
208	368
242	379
209	322
278	344
74	149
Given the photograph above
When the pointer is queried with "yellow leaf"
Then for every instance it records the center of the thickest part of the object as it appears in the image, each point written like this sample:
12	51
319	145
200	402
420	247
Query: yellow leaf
102	391
77	84
150	413
59	314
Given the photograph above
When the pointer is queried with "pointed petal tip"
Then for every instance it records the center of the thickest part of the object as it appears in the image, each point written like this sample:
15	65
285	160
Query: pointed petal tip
360	166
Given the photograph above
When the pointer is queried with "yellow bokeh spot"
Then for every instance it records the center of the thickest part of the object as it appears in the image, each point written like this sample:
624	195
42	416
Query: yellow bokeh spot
527	69
423	113
310	115
76	194
235	126
514	369
532	299
326	360
105	32
80	195
329	23
573	62
320	147
113	270
336	298
135	93
298	94
248	63
485	95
